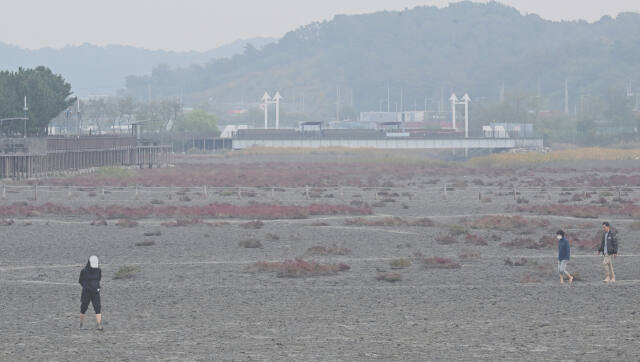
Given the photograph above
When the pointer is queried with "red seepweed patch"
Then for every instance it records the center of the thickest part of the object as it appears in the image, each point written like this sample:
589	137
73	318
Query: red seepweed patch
440	263
256	211
299	268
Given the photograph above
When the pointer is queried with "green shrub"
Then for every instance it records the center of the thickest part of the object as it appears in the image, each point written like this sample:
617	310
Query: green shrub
126	272
400	263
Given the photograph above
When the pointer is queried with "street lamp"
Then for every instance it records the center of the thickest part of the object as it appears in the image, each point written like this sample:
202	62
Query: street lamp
25	109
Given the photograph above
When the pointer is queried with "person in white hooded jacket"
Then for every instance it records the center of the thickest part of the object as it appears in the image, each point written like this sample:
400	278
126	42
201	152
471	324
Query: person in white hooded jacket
90	277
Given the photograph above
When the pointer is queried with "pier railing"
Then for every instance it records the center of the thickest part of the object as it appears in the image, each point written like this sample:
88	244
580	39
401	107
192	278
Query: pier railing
28	165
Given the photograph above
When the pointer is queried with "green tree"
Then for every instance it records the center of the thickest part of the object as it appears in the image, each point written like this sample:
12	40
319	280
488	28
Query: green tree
47	95
557	128
198	121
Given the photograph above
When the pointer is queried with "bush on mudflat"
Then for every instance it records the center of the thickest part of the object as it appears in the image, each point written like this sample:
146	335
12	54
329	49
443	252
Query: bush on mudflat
323	250
127	223
400	263
250	244
255	224
126	272
182	222
389	277
299	268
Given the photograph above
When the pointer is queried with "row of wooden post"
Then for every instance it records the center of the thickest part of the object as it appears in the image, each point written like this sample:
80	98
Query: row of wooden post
205	192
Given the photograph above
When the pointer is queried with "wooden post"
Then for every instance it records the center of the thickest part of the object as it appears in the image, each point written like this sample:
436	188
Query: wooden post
4	191
239	192
35	192
515	193
480	195
206	193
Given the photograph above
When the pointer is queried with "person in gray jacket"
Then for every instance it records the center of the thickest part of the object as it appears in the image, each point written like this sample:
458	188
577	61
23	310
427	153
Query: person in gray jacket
609	249
564	253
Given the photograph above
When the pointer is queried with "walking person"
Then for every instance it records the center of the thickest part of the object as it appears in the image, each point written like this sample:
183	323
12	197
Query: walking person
90	280
564	253
609	249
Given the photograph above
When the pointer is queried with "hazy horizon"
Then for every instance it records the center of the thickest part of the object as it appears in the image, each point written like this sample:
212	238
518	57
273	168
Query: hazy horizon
199	25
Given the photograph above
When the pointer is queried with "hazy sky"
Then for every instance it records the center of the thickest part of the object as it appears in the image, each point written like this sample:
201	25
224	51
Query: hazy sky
205	24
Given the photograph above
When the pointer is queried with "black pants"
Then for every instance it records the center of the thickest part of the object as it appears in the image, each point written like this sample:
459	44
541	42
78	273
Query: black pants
88	296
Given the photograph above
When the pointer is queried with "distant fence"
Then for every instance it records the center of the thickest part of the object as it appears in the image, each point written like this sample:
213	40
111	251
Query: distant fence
96	142
310	194
27	165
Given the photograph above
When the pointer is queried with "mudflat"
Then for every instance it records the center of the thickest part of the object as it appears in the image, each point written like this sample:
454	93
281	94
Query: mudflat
406	271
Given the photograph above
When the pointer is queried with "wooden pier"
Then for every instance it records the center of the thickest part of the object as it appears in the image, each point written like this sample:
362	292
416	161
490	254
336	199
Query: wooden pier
28	165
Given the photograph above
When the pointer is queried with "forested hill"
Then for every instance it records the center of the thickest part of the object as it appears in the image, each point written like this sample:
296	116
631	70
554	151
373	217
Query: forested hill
94	69
466	47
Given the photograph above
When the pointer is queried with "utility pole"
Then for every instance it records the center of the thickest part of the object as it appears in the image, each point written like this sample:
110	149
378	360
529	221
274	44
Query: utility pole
401	100
25	109
79	119
566	96
351	99
388	99
338	105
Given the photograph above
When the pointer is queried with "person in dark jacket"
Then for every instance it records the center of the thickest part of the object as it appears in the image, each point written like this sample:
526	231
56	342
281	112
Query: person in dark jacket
90	277
564	253
609	249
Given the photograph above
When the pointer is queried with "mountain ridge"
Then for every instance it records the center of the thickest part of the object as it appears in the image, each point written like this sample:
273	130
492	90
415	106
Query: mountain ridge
80	66
465	47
